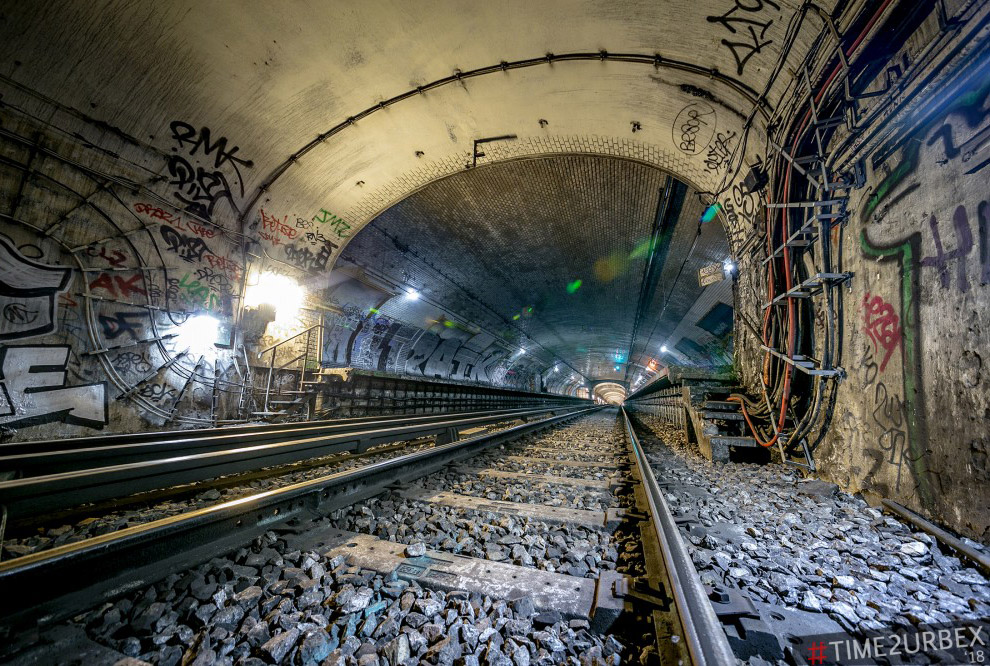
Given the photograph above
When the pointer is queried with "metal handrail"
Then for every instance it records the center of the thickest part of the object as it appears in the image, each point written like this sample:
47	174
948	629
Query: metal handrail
703	633
305	356
282	342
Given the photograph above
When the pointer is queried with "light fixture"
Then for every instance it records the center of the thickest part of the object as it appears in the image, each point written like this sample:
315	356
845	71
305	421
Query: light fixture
411	294
522	351
663	349
198	333
279	291
729	266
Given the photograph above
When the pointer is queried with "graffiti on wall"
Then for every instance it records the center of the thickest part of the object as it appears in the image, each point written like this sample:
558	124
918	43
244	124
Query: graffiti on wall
332	222
967	107
118	286
694	127
177	221
882	326
28	294
276	229
34	389
957	257
741	211
748	23
358	338
308	250
202	188
114	258
188	248
940	139
886	440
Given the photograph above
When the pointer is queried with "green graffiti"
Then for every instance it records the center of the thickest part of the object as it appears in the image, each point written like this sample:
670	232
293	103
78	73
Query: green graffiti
906	254
969	105
906	166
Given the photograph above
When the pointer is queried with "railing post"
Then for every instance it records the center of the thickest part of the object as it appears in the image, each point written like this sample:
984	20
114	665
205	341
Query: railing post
271	371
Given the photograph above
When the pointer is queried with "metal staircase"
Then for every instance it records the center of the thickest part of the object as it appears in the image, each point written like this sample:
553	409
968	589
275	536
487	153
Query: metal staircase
296	397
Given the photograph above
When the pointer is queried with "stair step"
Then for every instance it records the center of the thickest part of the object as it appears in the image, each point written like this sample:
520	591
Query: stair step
734	441
266	413
297	401
726	405
724	416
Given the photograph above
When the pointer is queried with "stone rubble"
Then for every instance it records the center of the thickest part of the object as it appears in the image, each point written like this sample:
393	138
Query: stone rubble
266	605
573	550
803	544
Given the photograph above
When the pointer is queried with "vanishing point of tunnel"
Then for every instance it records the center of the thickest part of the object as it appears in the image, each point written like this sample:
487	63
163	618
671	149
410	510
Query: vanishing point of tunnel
450	333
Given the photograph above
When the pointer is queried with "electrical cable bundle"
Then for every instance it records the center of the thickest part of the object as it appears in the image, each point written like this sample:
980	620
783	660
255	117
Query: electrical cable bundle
793	400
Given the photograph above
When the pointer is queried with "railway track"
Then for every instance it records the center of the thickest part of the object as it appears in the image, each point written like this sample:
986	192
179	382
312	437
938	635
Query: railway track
51	476
504	548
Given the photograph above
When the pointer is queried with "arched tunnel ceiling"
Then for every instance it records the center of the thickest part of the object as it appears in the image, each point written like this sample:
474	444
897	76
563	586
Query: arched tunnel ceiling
276	83
343	113
502	247
610	392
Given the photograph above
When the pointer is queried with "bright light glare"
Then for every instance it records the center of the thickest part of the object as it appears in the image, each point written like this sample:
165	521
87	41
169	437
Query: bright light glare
412	294
279	291
729	265
663	349
198	333
522	351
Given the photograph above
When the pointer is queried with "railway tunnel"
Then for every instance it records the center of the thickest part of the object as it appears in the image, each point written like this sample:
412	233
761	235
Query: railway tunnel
509	333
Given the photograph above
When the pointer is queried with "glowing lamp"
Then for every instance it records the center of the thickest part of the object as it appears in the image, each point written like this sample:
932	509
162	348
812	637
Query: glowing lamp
279	291
198	333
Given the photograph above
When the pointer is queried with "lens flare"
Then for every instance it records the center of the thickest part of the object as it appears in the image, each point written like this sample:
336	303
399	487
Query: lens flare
710	212
573	286
611	267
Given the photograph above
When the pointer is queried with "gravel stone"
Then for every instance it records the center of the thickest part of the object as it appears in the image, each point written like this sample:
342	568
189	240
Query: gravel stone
278	646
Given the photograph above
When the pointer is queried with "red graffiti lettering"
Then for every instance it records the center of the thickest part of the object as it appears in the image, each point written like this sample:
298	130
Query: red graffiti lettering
277	227
115	284
882	326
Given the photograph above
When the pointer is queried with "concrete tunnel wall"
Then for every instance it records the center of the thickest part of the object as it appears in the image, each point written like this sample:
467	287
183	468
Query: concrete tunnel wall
911	416
112	126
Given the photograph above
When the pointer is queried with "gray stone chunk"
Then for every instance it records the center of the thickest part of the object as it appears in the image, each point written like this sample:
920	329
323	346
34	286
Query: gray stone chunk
278	646
359	601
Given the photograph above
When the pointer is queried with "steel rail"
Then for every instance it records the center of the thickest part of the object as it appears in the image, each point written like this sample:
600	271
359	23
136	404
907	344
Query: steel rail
67	580
149	467
39	446
703	633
